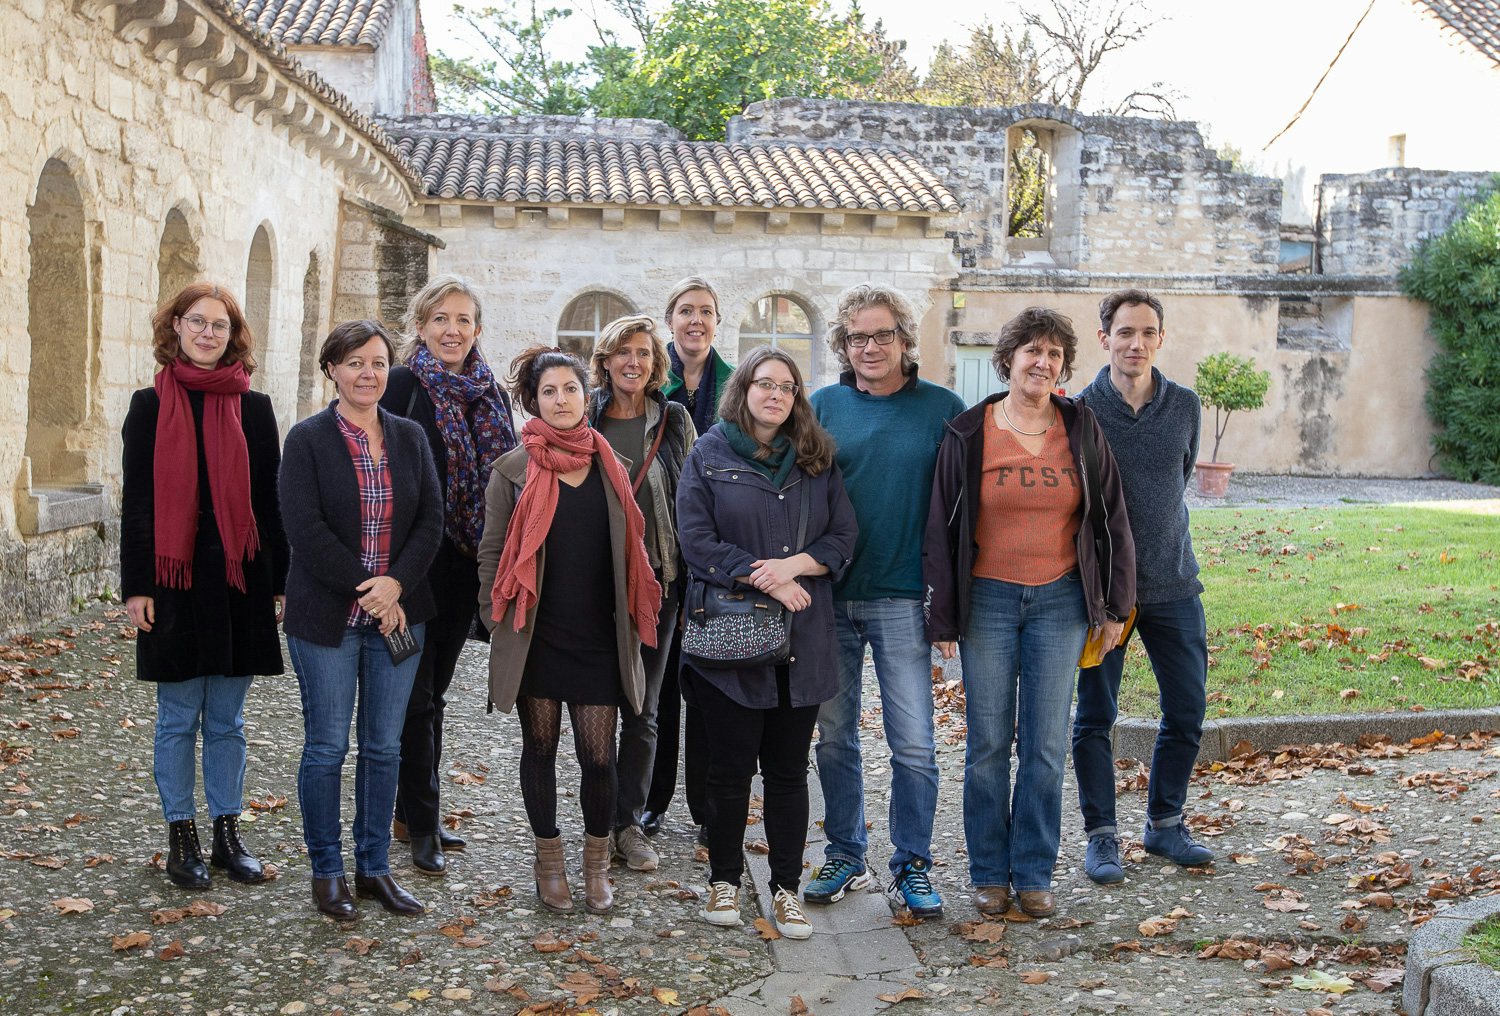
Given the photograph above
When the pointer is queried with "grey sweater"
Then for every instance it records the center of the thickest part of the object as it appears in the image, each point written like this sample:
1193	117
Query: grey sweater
1155	452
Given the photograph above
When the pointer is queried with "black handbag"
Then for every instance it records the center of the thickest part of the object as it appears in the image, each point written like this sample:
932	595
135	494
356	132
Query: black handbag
740	627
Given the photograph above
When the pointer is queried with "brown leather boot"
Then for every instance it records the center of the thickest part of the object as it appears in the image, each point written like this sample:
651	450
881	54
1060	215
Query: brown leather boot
598	895
552	875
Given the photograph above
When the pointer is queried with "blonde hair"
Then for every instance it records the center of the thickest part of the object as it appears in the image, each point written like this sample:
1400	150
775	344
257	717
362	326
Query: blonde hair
686	286
862	297
616	332
425	302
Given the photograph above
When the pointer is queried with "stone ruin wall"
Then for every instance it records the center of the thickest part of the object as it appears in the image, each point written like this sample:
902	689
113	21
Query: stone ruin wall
1369	222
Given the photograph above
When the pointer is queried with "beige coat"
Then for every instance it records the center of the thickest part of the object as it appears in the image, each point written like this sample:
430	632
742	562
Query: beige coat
508	647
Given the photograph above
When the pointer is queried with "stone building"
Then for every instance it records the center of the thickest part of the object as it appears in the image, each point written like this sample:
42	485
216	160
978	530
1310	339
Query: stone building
288	148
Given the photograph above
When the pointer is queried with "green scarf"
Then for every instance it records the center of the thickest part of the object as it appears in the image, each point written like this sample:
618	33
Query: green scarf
776	467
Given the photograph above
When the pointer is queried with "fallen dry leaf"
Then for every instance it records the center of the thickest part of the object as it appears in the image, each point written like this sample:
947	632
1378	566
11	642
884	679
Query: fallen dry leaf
982	931
666	996
1154	926
73	905
361	945
458	994
1035	977
905	995
172	951
134	940
766	929
546	942
798	1007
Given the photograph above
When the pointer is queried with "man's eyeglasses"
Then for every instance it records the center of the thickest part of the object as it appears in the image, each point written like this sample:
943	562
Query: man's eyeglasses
884	337
197	322
788	389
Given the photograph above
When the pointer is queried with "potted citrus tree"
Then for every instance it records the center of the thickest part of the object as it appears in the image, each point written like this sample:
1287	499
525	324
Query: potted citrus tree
1226	384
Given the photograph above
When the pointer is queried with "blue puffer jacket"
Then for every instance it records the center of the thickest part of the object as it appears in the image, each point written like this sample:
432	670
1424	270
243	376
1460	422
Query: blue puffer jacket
729	515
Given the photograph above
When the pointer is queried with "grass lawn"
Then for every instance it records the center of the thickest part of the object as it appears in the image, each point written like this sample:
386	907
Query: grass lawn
1347	609
1484	942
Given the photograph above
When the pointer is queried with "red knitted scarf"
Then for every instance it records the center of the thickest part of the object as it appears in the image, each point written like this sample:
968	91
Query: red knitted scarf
176	471
552	452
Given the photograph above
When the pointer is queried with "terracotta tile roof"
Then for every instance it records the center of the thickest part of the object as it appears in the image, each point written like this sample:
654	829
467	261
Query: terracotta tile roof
1477	21
321	22
480	166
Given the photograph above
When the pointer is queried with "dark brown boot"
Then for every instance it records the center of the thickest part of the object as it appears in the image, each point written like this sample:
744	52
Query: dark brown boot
185	865
230	854
331	897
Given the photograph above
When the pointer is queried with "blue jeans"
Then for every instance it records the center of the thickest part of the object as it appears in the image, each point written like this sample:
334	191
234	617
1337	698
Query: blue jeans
331	679
1019	655
903	665
1176	640
217	704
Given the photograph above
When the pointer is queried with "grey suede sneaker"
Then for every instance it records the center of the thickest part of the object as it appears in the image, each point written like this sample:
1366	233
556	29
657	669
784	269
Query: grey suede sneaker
632	847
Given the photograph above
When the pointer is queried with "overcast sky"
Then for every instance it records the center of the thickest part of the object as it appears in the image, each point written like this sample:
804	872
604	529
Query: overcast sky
1240	69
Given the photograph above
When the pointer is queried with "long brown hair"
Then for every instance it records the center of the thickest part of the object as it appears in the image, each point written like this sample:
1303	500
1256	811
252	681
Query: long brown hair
165	344
812	444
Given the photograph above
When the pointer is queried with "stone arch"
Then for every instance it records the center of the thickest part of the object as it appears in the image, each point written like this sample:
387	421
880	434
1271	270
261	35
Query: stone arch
584	316
1041	191
59	322
786	319
260	283
309	379
179	260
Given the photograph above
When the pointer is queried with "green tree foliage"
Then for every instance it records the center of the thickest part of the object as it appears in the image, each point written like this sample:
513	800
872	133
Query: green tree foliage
1458	276
1227	384
706	60
516	74
988	70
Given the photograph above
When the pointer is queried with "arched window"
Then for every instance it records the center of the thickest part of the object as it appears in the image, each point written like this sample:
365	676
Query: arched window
259	278
785	323
584	318
177	258
57	297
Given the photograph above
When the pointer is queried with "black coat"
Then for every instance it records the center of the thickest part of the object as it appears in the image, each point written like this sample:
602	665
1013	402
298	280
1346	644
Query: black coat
729	515
320	503
208	629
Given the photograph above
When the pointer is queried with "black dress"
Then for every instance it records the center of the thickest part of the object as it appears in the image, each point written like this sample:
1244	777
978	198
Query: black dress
573	655
209	629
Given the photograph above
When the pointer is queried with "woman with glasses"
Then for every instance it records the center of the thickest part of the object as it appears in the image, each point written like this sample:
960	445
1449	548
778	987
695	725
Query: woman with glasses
696	377
447	388
626	406
364	517
752	484
203	564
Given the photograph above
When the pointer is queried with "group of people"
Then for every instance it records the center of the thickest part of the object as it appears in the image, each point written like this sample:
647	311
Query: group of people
413	515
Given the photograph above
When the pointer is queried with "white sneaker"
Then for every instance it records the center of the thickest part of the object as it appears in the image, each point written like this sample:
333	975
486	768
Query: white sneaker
723	904
790	920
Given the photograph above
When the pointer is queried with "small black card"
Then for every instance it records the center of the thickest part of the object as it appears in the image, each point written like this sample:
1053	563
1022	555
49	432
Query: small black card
402	644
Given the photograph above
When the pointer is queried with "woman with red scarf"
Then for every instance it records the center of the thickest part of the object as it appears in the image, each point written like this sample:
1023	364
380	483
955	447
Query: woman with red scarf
447	388
561	526
203	564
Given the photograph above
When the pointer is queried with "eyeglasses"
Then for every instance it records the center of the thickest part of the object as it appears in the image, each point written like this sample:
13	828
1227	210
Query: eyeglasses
197	322
884	337
768	386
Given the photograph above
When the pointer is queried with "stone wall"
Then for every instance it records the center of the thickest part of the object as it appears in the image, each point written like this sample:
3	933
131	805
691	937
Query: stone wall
1127	194
382	264
1369	222
378	79
119	174
530	264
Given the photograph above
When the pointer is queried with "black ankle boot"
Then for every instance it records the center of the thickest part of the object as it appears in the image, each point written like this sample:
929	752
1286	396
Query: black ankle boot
427	855
185	865
229	853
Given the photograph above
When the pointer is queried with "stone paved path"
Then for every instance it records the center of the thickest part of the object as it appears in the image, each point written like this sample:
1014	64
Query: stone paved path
79	821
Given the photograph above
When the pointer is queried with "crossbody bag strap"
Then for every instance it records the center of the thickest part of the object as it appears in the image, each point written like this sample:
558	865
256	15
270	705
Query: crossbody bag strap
661	431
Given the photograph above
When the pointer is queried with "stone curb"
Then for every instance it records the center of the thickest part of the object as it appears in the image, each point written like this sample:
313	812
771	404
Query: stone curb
1440	977
1136	738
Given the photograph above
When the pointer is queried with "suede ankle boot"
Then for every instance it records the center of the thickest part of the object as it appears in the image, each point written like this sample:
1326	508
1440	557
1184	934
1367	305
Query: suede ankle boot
598	895
185	865
552	875
230	854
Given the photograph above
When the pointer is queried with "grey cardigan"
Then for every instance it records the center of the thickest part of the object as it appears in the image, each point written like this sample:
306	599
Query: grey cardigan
320	512
508	647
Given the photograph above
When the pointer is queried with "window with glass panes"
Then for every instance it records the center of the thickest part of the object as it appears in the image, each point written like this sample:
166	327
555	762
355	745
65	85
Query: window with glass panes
583	319
783	323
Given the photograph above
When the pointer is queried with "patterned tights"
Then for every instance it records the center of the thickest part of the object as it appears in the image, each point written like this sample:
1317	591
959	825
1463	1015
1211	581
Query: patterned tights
594	741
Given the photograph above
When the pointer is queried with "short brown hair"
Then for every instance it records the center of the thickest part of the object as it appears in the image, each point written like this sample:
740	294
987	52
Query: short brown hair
425	302
687	285
616	332
530	364
863	297
1035	323
1114	301
349	336
810	442
165	344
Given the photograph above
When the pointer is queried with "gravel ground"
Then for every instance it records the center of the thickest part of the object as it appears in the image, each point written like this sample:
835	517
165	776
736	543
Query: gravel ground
1258	490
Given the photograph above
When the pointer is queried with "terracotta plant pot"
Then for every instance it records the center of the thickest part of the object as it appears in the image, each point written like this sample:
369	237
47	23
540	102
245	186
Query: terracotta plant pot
1213	478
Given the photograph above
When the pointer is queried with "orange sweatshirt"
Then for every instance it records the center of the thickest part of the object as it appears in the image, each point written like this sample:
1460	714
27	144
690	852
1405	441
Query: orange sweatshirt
1030	507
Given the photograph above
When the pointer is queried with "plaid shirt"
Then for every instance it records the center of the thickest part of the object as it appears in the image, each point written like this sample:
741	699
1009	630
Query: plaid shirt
376	504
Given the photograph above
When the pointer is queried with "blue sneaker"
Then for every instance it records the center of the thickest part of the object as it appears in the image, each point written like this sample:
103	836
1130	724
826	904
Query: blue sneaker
1176	844
915	889
836	877
1101	862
